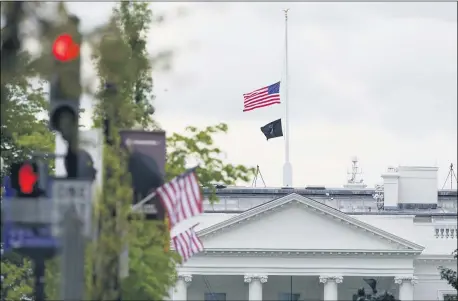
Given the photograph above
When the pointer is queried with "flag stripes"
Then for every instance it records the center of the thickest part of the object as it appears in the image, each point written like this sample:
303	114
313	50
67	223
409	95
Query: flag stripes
187	244
181	197
262	97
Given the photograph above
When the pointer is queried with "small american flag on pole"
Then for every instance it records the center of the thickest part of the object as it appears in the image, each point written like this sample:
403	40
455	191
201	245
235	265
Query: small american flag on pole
181	197
187	244
263	97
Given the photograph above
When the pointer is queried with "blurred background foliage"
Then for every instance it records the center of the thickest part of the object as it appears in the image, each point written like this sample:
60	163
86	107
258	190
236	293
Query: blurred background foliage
24	129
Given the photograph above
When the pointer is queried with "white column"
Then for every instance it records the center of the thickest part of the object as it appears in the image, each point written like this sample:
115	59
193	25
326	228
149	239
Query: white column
330	287
255	283
180	291
406	284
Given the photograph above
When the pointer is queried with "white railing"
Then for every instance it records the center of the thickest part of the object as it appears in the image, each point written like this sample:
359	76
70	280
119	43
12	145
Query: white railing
379	196
445	231
374	204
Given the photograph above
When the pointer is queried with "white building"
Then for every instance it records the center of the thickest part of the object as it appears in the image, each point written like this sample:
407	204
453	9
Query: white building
319	243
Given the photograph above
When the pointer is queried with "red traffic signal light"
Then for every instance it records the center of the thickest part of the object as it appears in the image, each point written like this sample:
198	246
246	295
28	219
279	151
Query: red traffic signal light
27	178
65	49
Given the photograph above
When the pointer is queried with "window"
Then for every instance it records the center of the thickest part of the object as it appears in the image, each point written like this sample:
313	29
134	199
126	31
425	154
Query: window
450	297
447	295
215	296
288	297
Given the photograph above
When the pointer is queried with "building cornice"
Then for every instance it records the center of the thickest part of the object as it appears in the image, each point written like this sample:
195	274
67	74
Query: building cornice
307	253
435	259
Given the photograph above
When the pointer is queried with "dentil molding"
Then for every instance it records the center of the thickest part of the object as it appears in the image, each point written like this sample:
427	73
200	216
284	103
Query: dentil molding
336	279
412	279
254	277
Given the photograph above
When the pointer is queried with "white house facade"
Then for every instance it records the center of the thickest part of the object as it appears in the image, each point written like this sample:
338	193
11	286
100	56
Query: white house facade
319	243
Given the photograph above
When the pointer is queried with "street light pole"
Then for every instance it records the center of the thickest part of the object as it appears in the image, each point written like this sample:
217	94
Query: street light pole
39	281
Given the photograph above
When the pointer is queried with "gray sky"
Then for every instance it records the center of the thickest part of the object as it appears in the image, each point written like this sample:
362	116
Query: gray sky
375	80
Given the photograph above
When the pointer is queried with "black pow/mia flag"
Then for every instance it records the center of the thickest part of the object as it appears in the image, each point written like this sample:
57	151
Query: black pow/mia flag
272	129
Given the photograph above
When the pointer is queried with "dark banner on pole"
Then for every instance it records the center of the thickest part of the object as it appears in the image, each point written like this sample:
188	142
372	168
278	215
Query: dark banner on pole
151	144
147	167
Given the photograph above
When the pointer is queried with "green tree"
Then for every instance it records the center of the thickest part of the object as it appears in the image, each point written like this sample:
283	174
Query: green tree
17	282
151	267
23	130
129	69
197	145
128	72
450	276
24	127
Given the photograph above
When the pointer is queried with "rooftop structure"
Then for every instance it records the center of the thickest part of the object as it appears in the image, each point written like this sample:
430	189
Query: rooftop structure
405	190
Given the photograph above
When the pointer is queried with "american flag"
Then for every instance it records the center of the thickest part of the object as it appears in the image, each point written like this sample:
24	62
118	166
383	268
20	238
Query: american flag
181	197
187	244
261	97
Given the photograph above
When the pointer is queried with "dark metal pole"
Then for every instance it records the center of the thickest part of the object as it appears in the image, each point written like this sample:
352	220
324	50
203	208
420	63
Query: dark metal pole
291	288
117	285
39	278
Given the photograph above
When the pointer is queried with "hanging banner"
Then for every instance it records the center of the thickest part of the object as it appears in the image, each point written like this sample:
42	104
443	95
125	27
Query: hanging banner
147	167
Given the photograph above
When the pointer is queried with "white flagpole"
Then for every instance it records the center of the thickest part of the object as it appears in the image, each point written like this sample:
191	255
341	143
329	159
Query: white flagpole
287	168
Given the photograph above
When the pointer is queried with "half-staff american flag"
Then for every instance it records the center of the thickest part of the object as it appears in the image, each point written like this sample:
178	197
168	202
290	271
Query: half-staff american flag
261	98
181	197
187	244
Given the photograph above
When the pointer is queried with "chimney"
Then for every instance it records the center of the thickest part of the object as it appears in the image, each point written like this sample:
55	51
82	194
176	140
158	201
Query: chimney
391	188
418	187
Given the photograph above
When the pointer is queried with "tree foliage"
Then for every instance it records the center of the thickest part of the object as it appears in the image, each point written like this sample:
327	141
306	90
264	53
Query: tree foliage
197	146
23	130
450	275
127	104
17	279
125	97
127	70
23	124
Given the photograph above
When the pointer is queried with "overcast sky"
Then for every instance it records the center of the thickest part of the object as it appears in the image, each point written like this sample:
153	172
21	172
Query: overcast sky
373	80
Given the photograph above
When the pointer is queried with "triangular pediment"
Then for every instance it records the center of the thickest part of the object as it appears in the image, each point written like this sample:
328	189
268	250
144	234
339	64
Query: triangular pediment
295	222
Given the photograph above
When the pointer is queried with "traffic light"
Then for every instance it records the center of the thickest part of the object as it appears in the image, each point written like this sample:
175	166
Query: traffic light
65	88
29	179
79	165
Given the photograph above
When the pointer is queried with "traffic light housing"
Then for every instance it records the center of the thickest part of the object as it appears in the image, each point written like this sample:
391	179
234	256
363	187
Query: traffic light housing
79	165
65	88
29	179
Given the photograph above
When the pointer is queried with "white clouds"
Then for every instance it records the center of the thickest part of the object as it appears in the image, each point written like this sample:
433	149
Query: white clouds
376	80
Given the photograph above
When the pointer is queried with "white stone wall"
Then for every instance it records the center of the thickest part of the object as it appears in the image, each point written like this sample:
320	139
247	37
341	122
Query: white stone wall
430	286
